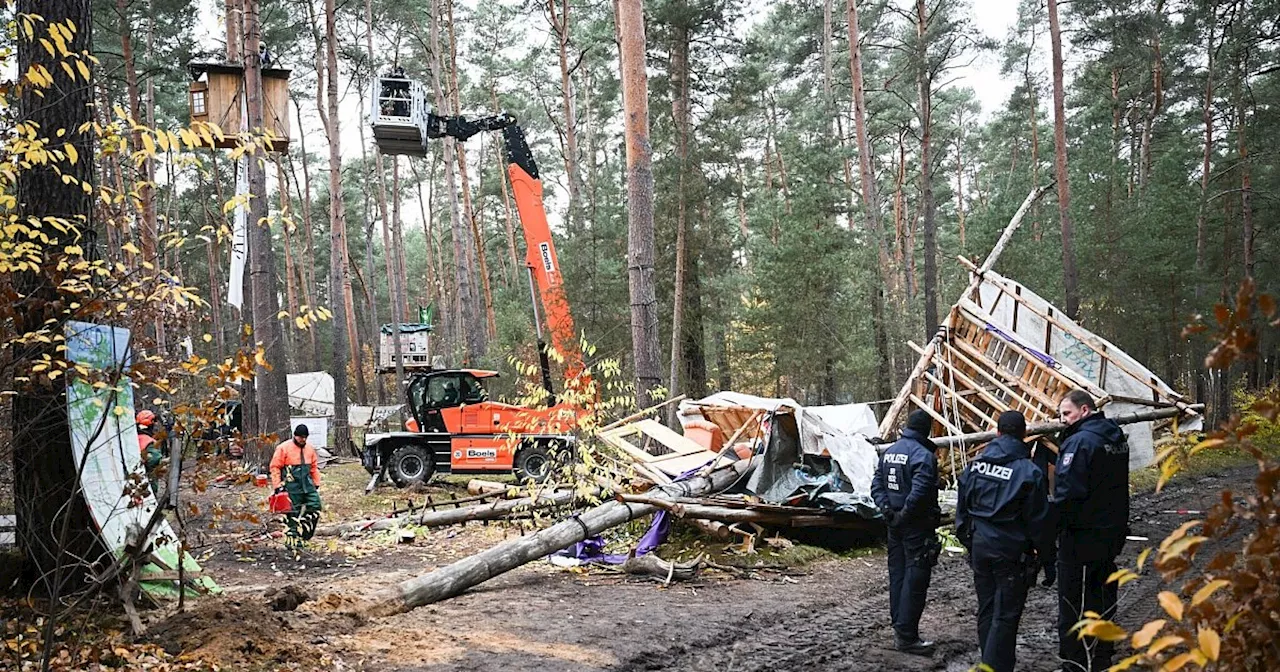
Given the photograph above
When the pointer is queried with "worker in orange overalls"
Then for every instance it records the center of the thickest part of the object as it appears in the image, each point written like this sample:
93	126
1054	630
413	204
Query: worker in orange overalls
149	450
295	468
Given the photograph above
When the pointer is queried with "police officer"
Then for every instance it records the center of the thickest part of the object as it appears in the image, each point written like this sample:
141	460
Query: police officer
1091	495
906	491
1001	517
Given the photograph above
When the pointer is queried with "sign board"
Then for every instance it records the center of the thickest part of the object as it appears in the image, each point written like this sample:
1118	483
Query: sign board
104	439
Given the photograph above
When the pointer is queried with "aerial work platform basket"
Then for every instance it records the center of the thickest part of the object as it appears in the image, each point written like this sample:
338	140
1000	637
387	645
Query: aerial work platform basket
398	115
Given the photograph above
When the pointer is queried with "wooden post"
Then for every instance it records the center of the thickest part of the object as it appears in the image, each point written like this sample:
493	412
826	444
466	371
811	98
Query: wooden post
1049	427
891	418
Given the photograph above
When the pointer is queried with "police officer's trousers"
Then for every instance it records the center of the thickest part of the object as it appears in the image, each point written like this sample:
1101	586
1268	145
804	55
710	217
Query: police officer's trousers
1085	559
1002	592
911	560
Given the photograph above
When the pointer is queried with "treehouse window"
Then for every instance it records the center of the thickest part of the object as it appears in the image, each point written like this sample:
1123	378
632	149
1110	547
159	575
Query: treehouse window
197	103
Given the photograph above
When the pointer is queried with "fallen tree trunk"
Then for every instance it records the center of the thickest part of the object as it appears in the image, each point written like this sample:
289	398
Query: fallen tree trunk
453	579
492	511
1048	427
479	486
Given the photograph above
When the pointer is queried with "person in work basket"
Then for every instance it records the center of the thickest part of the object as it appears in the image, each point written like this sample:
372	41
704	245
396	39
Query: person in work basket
295	468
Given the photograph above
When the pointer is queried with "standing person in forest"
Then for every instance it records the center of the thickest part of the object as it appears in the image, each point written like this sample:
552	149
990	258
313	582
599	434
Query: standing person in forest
906	491
1091	495
1001	517
296	469
149	450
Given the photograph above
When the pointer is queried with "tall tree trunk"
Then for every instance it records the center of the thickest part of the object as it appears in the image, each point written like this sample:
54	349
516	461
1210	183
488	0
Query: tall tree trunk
1202	214
271	384
470	317
1033	112
338	271
291	290
397	280
871	207
924	83
307	270
234	20
640	243
432	274
1246	187
679	75
559	17
1069	275
1157	99
45	474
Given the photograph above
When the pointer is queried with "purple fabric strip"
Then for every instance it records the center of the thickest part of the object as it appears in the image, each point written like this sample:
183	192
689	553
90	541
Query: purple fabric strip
1034	353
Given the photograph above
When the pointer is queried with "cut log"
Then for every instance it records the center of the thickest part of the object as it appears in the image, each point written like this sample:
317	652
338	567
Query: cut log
479	486
1041	428
491	511
652	565
456	578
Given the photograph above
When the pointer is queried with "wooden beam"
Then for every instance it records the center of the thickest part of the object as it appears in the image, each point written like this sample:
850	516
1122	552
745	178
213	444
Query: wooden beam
958	397
1042	428
922	405
890	418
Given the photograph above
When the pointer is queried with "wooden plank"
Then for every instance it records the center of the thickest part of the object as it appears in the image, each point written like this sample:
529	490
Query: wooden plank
920	403
960	398
977	389
1027	401
1067	374
669	438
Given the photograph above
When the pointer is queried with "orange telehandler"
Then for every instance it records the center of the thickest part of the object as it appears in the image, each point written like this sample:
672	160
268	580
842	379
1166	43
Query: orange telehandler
456	427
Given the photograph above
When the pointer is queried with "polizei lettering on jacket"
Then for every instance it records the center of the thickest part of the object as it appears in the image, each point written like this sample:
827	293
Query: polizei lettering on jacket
895	458
993	470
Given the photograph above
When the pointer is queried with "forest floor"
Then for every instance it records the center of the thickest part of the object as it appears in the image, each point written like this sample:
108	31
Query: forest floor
801	611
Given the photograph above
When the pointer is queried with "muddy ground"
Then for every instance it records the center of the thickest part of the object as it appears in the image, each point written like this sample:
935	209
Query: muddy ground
828	615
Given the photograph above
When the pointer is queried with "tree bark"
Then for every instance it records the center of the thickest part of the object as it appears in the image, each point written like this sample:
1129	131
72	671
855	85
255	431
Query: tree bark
291	289
234	20
470	317
45	475
924	82
679	74
309	290
560	26
338	273
1069	275
871	206
397	280
270	385
640	242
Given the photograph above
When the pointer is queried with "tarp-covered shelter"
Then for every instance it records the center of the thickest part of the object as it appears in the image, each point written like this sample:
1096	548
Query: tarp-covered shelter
312	394
815	456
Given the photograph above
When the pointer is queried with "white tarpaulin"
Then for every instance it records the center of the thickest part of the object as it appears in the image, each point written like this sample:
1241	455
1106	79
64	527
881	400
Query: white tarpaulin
1040	327
239	234
311	392
840	432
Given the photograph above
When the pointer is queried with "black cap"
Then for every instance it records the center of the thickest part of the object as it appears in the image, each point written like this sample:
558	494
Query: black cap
301	430
1012	423
920	421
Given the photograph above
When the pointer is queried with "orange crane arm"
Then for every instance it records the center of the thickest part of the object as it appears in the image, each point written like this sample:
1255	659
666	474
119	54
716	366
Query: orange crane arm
546	284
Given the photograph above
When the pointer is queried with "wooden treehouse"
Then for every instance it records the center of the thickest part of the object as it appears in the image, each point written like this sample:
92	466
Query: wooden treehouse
216	96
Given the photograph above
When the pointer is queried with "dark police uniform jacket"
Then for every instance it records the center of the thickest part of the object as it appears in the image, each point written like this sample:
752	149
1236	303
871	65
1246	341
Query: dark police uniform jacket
1002	511
907	481
1091	492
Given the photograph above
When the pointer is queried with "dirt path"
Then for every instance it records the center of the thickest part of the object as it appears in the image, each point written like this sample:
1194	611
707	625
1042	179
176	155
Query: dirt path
832	617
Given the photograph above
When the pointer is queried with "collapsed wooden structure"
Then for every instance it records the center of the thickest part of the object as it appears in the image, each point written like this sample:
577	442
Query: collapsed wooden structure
1002	347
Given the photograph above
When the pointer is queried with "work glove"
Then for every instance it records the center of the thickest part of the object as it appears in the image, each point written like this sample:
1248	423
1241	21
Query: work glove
892	518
